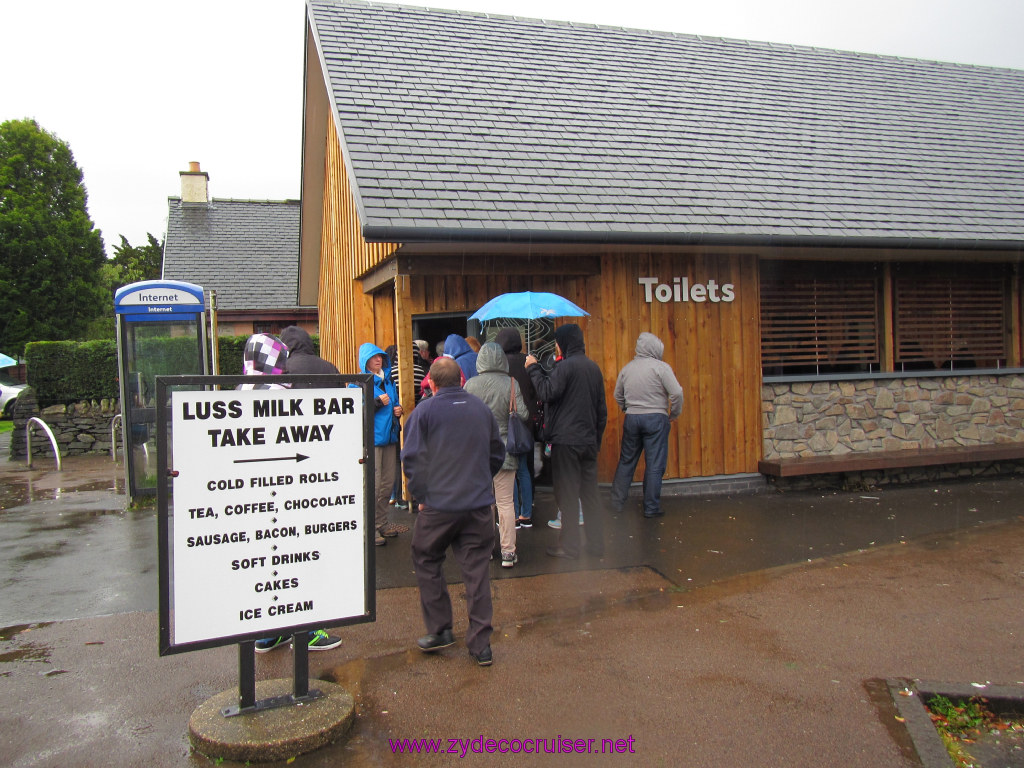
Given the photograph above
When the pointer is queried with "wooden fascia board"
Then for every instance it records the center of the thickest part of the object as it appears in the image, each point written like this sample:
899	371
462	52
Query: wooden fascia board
316	108
379	276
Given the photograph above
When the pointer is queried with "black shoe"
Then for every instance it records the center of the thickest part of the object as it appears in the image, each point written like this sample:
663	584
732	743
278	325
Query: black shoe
321	641
484	658
431	643
524	522
559	552
654	514
267	644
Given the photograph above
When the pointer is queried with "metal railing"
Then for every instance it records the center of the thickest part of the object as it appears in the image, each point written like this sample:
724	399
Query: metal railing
115	424
49	433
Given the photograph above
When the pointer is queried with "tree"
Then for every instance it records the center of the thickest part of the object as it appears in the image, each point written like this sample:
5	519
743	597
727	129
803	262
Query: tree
130	265
51	254
135	263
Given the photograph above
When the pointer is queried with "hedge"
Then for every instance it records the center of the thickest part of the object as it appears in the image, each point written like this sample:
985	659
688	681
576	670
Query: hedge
71	371
64	372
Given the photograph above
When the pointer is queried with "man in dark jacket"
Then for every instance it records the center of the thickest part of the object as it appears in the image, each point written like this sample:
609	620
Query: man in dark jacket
453	449
575	415
302	357
512	342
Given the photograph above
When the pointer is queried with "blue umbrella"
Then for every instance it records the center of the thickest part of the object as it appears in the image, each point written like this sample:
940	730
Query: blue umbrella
7	362
528	305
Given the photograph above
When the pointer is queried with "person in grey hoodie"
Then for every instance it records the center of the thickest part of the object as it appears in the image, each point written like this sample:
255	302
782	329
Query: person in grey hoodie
650	395
496	388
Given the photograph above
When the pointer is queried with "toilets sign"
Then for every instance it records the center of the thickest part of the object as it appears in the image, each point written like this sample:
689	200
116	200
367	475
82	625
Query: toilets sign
680	289
267	517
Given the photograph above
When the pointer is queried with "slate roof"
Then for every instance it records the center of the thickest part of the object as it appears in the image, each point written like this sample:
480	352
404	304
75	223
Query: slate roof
465	125
246	250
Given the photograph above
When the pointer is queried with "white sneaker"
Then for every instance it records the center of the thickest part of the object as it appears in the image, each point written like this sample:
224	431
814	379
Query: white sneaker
556	524
508	559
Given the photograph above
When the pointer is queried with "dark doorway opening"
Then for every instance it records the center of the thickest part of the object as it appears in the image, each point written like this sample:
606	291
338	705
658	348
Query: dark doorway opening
437	328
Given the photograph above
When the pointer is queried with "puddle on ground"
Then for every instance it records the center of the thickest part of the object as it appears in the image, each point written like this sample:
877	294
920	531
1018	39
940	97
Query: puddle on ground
879	695
42	553
32	486
27	650
8	633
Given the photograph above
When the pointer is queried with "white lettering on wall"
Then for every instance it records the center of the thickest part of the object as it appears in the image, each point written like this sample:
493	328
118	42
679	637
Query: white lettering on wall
681	290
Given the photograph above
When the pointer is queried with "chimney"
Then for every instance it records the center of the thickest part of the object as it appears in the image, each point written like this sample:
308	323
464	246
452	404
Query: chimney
194	184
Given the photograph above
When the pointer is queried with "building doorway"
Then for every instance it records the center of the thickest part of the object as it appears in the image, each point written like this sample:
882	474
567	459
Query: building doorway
434	329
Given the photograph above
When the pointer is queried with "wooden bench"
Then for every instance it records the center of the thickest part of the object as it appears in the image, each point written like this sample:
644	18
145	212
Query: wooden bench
796	466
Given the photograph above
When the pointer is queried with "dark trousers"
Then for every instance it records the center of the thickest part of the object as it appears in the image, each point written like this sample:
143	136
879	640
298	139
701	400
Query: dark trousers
647	433
574	476
522	494
471	537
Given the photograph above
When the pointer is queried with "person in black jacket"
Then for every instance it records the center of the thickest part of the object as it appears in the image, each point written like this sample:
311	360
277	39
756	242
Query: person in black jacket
575	415
302	357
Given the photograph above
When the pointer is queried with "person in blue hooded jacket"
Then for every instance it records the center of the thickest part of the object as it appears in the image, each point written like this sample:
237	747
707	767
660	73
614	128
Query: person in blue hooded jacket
457	348
386	427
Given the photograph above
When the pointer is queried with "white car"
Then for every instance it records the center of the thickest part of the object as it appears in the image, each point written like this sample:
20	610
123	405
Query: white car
9	391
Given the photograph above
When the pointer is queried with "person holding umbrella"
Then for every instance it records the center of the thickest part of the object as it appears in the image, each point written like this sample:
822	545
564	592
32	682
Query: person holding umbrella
575	415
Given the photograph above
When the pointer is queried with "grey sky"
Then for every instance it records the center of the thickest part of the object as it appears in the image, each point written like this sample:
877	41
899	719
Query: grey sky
139	89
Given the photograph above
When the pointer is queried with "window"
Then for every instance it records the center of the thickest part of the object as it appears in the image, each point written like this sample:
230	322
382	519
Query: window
819	318
950	317
273	328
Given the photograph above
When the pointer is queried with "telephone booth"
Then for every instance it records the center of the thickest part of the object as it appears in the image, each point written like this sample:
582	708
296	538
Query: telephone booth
161	331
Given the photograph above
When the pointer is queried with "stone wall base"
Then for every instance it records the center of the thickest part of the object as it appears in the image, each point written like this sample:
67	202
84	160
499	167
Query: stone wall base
80	428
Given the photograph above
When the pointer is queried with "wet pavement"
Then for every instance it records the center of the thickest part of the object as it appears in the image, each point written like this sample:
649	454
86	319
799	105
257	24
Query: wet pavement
743	630
76	521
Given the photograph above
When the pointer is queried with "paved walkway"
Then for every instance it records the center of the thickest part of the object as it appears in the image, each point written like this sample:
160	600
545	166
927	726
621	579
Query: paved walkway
748	631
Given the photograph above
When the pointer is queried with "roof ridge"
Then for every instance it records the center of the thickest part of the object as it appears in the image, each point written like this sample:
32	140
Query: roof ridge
288	200
796	47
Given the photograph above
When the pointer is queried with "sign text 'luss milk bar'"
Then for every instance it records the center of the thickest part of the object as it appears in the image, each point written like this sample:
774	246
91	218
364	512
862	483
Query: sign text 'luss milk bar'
268	502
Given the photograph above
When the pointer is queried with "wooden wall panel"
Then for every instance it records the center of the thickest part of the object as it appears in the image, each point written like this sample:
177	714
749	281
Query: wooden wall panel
712	347
347	315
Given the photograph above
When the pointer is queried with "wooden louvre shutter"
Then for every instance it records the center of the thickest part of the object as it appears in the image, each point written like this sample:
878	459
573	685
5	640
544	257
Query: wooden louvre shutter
819	318
954	319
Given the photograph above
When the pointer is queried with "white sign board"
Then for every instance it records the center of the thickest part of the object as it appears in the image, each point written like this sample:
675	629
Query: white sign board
268	504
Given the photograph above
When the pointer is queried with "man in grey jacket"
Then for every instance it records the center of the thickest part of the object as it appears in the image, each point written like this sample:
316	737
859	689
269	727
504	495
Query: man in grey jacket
651	397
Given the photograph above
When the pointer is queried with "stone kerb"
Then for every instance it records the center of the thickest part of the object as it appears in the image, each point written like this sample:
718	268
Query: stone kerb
80	428
837	417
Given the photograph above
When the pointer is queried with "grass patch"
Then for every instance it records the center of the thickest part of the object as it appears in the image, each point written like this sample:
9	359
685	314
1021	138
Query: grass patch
961	722
6	425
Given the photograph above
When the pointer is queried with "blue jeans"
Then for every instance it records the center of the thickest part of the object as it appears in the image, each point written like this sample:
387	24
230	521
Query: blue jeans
647	433
522	494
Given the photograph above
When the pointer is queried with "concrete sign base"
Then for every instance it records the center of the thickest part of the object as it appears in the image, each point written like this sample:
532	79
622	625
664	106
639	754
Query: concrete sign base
274	734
